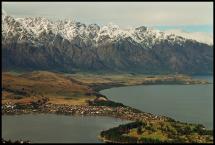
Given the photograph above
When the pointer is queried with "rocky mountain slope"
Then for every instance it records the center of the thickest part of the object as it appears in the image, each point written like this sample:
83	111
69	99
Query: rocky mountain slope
37	43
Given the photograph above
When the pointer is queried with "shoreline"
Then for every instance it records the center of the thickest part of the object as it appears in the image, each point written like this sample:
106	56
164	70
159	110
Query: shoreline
98	87
124	113
101	87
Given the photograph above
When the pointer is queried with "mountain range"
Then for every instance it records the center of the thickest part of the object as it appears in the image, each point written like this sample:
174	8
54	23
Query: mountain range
37	43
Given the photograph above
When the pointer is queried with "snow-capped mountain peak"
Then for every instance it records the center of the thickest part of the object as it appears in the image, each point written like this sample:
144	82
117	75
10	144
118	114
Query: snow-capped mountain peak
35	28
36	43
198	36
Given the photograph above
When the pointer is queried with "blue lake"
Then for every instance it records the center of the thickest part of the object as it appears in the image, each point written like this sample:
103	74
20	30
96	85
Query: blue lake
189	103
52	128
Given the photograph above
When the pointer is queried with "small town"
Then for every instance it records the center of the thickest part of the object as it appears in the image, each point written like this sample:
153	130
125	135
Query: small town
122	112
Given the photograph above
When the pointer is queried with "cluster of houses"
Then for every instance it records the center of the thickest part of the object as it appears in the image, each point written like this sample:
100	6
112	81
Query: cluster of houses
126	113
8	105
3	141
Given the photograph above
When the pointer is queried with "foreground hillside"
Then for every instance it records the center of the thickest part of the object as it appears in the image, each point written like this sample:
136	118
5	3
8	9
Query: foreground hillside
158	132
69	46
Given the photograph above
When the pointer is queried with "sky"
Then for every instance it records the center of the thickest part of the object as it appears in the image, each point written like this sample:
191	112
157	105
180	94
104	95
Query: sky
187	16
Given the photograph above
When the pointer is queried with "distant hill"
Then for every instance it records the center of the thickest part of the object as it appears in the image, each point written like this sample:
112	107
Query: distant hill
69	46
43	83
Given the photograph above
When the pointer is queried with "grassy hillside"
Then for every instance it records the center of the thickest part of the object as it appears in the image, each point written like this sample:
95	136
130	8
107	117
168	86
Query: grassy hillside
158	132
57	87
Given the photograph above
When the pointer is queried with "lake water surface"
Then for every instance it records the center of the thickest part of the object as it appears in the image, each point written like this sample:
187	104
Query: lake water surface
189	103
52	128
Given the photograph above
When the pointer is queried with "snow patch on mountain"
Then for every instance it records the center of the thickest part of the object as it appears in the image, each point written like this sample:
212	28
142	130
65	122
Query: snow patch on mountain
198	36
39	28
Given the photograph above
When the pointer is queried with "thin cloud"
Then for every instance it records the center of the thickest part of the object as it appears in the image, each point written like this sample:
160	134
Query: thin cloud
121	13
